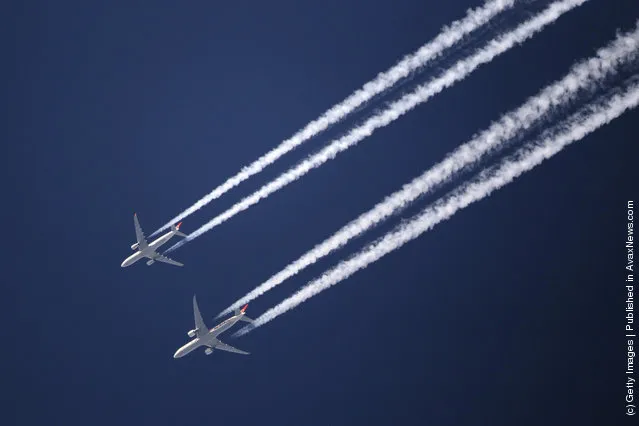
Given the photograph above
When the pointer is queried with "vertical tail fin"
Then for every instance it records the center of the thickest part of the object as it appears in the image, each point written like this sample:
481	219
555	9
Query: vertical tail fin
176	229
241	311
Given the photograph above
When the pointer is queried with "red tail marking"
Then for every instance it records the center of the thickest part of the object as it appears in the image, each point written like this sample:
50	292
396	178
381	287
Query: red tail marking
178	225
244	308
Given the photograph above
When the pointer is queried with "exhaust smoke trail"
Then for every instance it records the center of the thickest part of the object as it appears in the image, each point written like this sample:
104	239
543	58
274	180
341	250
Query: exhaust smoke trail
569	131
423	93
474	19
585	75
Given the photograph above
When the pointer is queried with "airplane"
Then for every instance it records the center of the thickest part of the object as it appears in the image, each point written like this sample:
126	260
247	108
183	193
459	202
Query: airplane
149	251
205	337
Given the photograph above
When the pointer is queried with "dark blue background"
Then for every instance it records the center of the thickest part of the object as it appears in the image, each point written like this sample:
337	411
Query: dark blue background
511	312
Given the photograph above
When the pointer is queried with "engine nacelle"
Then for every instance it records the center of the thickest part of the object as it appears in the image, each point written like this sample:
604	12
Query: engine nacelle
208	351
191	333
150	262
134	246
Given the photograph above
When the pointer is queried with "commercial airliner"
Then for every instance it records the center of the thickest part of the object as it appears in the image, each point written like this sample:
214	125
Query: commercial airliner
150	250
205	337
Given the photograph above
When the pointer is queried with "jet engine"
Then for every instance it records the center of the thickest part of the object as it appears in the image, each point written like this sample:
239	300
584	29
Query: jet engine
208	351
150	262
191	333
134	246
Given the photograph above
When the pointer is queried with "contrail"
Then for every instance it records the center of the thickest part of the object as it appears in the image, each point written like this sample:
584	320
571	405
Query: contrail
450	35
573	130
398	108
584	75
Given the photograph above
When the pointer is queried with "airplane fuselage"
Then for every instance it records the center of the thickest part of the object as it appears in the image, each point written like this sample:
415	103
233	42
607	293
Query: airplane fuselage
225	325
208	339
149	250
189	347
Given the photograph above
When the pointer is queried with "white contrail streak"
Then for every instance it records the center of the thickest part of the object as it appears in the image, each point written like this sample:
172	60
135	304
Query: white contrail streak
584	75
423	93
574	129
450	35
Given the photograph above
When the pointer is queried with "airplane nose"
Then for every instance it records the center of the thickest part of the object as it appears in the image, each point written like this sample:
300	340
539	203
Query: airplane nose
124	264
177	354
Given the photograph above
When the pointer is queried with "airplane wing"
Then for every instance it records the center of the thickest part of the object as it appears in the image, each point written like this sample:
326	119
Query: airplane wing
201	328
224	347
247	319
139	235
162	258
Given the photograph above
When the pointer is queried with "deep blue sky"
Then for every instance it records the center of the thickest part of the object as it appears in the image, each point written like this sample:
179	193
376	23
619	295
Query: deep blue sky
509	313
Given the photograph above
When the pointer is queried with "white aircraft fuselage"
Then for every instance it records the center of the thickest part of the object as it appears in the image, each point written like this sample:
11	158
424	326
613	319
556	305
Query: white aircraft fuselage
149	250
